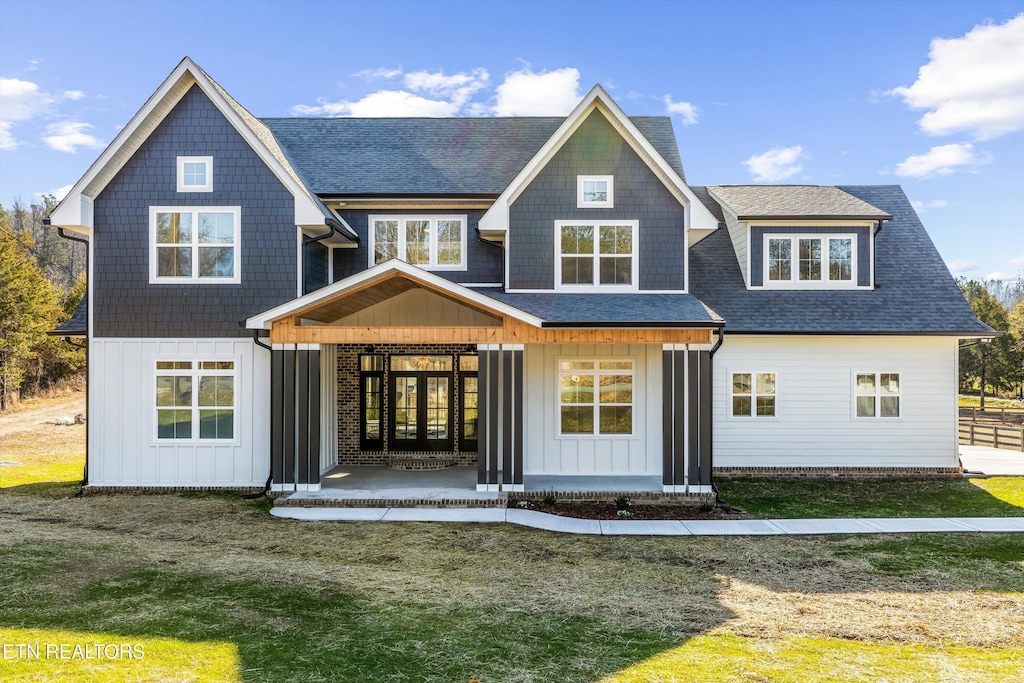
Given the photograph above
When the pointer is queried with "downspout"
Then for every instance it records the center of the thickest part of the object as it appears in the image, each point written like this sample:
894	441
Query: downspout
266	487
711	427
88	417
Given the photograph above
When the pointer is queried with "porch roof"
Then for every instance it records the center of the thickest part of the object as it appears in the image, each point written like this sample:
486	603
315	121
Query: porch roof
560	309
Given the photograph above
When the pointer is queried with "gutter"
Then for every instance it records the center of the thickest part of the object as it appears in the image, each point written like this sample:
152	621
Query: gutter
711	426
88	417
266	487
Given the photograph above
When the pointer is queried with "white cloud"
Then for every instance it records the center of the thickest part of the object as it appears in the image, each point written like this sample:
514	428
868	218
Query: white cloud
1018	261
381	72
687	112
73	95
934	204
19	101
775	164
33	64
68	136
379	104
7	139
457	88
973	84
548	93
941	160
1000	275
61	192
963	265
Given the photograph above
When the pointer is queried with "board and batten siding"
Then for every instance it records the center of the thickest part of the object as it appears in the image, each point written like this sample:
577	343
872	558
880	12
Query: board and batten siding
547	452
123	450
815	424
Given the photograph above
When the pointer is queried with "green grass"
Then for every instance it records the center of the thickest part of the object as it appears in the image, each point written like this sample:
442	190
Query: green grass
1002	497
968	400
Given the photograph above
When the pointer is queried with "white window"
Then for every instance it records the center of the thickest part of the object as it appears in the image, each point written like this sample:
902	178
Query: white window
810	260
430	242
195	174
877	394
595	396
195	400
595	254
753	394
194	244
595	191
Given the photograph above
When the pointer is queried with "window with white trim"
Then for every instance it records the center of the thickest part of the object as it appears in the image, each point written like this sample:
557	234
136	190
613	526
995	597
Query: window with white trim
877	394
810	260
595	396
753	394
195	400
195	174
595	254
194	244
430	242
595	191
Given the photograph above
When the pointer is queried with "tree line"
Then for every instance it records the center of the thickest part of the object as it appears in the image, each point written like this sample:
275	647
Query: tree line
42	281
996	366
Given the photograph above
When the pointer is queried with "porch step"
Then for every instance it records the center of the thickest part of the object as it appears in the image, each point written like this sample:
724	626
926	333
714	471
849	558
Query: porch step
418	464
499	500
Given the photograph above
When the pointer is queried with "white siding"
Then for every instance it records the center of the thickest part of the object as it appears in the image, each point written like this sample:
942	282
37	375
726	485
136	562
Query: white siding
328	407
547	452
123	450
738	233
815	424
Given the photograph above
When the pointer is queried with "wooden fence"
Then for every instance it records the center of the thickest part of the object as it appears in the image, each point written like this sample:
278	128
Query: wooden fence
1004	415
992	435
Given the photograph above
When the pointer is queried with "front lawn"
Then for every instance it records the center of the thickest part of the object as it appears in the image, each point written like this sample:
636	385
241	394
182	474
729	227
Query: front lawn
775	498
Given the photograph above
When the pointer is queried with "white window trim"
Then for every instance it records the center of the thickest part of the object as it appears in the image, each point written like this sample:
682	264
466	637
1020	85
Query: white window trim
182	187
583	204
753	416
433	218
194	373
595	286
194	278
877	395
796	282
596	372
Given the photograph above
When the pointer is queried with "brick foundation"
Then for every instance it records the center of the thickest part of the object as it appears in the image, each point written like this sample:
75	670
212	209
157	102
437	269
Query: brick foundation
90	490
637	498
839	472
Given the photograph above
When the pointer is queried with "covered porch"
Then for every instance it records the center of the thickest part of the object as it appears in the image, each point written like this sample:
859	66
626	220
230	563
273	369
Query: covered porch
619	404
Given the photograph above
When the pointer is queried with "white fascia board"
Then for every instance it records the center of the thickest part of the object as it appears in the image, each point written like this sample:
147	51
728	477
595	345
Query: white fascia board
496	218
69	211
379	272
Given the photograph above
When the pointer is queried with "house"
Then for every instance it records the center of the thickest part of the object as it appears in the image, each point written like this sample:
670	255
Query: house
534	297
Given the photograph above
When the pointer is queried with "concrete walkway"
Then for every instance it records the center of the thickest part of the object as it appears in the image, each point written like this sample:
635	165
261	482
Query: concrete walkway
629	527
991	461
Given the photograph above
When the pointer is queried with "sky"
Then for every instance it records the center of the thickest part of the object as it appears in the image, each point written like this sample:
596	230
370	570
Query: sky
927	94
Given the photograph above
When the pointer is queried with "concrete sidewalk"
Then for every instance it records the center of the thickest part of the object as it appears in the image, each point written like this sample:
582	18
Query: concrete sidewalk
991	461
629	527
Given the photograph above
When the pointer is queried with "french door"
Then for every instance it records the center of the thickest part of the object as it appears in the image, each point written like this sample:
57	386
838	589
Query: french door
421	411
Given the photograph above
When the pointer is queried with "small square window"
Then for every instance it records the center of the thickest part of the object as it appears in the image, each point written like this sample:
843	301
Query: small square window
195	174
594	192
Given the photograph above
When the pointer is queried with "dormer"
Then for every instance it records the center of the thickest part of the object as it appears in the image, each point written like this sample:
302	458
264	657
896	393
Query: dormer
807	237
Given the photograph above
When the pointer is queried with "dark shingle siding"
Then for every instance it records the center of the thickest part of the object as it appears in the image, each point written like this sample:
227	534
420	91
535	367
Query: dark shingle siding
915	293
416	156
485	260
597	149
314	267
126	305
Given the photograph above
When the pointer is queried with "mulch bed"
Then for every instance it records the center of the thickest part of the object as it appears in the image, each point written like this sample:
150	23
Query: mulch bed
640	512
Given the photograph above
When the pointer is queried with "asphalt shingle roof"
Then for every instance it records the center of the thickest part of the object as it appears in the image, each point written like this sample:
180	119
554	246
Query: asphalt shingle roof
419	156
914	294
794	201
635	310
75	325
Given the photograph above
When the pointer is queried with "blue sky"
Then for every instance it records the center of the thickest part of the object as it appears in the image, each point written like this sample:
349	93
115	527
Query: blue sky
928	94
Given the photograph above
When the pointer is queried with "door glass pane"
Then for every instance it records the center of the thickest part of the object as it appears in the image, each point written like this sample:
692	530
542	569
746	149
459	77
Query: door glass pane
470	397
417	242
371	420
405	408
421	363
371	363
437	408
385	241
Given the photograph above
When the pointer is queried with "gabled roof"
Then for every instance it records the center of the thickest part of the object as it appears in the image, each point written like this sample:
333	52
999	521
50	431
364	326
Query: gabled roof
75	326
75	210
801	202
421	156
496	218
914	292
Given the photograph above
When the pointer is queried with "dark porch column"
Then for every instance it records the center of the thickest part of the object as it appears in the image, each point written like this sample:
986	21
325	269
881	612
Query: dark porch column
295	417
500	418
686	418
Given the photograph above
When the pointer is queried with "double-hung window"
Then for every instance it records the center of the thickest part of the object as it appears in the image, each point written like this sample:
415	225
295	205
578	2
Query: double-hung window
195	174
595	396
753	394
194	244
810	260
195	400
877	394
598	254
430	242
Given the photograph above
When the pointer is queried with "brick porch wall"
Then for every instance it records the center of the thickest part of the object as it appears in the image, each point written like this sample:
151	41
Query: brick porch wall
349	452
